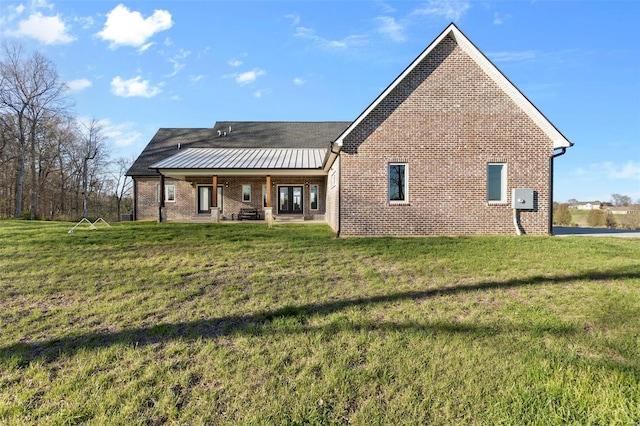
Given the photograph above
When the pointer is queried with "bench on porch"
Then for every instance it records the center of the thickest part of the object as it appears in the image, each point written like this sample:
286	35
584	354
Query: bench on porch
248	213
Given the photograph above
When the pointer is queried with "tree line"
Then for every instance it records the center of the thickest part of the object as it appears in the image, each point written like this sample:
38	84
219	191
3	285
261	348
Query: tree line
563	216
52	165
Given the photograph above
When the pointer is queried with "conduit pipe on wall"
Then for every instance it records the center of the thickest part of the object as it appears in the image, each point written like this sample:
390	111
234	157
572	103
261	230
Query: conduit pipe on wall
516	223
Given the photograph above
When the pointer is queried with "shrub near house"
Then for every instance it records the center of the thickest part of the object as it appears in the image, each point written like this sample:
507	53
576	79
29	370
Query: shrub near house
561	214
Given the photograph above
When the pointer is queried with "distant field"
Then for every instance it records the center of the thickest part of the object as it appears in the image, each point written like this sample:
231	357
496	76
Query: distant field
146	323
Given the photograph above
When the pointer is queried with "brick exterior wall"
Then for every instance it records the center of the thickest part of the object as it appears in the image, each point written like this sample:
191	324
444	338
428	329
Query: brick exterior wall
147	199
446	120
185	207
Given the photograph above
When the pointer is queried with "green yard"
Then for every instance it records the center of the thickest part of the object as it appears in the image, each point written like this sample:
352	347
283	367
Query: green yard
146	323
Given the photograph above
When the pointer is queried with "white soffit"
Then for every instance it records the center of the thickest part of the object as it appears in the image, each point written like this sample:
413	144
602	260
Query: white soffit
559	141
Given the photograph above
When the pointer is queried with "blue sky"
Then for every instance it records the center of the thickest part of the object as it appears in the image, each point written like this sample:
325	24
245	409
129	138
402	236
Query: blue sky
141	65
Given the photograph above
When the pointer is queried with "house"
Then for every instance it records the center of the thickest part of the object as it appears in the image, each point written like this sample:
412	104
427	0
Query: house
450	147
624	209
587	205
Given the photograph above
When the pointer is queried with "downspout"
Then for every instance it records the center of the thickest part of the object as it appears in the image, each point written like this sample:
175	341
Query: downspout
161	210
135	199
562	152
339	190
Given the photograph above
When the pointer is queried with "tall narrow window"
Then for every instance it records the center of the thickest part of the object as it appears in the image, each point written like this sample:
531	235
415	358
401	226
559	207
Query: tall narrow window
497	182
169	193
264	196
246	192
397	183
313	195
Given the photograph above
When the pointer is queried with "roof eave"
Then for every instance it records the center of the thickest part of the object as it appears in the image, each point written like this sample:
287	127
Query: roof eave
182	173
332	154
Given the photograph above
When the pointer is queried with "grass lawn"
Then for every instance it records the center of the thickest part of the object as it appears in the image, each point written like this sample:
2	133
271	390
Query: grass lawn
146	323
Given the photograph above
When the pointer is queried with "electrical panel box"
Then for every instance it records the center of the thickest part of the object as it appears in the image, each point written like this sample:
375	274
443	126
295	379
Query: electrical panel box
522	199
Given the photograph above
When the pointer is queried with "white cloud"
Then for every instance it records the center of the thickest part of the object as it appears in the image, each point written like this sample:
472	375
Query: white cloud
630	170
249	76
295	19
390	28
129	28
134	87
122	134
144	47
47	29
41	4
260	93
345	43
196	78
16	9
597	181
12	12
608	170
119	135
449	9
499	19
178	61
525	55
78	84
85	22
386	8
234	62
299	81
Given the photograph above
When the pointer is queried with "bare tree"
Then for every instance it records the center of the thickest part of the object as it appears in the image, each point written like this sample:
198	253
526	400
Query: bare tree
30	91
122	183
620	200
93	150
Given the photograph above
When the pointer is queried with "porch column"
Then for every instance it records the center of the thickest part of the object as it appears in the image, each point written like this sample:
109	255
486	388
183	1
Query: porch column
268	213
215	212
161	211
214	195
268	191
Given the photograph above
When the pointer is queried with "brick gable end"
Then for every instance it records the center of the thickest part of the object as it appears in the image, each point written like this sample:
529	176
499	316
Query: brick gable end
446	120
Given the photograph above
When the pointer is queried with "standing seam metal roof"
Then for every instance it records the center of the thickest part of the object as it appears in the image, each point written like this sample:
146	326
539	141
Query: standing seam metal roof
243	134
244	158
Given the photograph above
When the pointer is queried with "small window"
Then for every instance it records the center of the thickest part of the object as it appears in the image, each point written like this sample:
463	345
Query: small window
169	193
497	183
246	192
397	183
313	192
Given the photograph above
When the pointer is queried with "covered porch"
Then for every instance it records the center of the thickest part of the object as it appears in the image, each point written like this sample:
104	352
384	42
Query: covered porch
237	197
241	184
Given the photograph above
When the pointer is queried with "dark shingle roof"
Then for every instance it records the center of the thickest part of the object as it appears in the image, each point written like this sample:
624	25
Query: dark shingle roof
244	134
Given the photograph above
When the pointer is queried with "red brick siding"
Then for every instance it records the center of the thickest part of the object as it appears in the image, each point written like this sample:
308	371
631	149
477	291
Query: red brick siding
185	207
147	203
447	120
